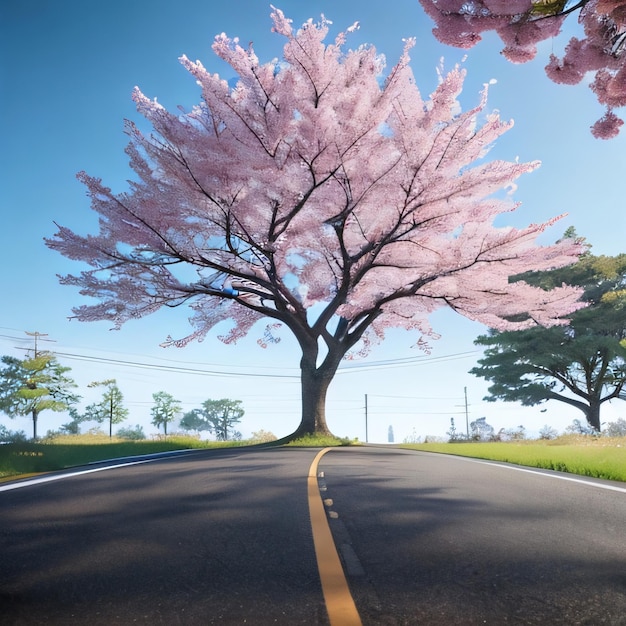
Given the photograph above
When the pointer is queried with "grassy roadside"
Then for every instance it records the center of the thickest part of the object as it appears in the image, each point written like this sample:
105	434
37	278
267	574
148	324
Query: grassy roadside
70	451
601	457
22	459
597	457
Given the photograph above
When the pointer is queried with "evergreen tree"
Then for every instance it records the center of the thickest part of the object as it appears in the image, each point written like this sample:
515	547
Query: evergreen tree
110	408
35	384
215	416
582	364
165	410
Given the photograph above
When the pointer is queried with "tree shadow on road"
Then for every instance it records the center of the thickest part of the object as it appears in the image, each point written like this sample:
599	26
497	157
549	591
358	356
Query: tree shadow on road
439	542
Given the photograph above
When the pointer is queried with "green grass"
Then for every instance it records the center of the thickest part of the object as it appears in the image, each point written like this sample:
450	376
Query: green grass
321	441
74	450
598	457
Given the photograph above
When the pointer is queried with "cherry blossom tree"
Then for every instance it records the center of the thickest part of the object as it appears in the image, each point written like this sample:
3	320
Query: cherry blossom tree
321	197
521	24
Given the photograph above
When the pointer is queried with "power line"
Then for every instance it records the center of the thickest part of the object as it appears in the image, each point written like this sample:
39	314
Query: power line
211	371
395	397
172	368
227	373
418	360
416	413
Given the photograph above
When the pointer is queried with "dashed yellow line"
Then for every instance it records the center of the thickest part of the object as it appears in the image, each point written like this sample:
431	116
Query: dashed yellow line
339	603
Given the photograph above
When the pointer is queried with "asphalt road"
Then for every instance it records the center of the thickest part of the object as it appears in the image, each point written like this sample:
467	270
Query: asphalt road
434	539
219	537
224	537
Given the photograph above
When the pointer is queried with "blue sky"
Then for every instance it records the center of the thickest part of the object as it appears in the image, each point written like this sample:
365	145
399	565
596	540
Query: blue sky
67	70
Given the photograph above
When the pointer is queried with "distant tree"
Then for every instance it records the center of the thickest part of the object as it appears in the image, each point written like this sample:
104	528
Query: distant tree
517	434
480	430
616	429
73	426
413	437
582	364
223	415
262	436
33	385
453	434
510	434
132	433
12	436
194	420
70	428
96	431
215	416
110	408
578	428
547	432
521	24
320	196
165	410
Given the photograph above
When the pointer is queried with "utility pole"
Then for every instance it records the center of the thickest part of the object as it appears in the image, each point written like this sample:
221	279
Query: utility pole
36	336
466	412
365	418
111	415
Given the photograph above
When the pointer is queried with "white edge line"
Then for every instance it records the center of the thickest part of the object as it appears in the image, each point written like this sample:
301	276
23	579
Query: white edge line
541	472
49	478
146	458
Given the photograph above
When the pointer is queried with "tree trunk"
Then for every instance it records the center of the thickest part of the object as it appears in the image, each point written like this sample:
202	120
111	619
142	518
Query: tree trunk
35	416
315	379
593	415
315	382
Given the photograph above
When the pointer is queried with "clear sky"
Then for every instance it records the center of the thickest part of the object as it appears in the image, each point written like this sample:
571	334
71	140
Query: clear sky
67	70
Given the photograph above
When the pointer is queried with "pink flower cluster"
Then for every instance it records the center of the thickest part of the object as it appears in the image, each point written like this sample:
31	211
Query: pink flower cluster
521	24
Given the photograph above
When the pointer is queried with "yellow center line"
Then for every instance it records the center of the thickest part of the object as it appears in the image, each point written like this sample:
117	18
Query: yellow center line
339	603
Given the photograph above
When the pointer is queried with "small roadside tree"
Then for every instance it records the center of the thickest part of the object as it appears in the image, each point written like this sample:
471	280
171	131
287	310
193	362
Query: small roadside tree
480	430
616	429
262	436
582	364
12	436
548	432
73	426
317	193
522	24
579	428
194	420
165	410
453	433
110	408
216	416
131	433
35	384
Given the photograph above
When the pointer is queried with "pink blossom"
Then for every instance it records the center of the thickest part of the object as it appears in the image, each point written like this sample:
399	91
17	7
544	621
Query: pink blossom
317	196
519	54
607	126
522	24
610	88
510	7
560	71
